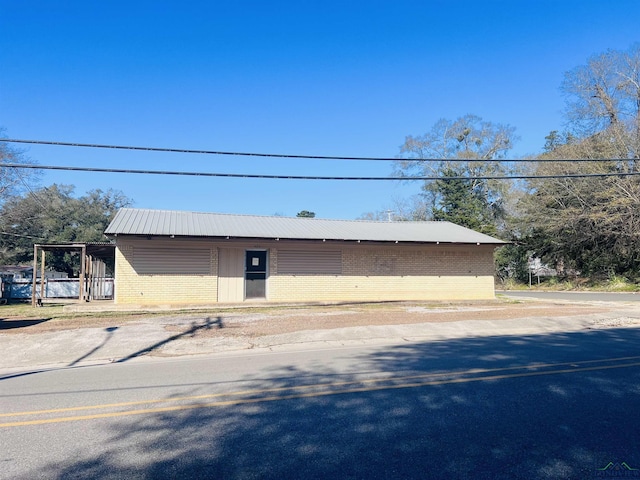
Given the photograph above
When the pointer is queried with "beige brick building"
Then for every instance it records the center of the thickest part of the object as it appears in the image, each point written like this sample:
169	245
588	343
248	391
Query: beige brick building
171	257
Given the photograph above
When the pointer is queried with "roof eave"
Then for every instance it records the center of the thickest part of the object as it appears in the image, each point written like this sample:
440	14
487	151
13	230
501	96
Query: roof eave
294	239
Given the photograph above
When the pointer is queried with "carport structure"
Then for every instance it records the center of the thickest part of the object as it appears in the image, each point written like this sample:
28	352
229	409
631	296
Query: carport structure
92	273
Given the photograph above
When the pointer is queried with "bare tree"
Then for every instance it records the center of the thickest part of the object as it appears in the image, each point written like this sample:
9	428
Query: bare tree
592	224
14	180
604	96
451	144
400	210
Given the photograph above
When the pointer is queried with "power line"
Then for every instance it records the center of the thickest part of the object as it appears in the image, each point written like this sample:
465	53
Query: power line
184	150
307	157
311	177
18	235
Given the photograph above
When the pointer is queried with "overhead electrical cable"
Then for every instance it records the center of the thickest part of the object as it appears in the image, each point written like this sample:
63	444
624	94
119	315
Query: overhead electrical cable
311	177
18	235
307	157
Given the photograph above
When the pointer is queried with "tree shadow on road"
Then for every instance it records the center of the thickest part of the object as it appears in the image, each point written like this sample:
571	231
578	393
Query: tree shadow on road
12	324
576	416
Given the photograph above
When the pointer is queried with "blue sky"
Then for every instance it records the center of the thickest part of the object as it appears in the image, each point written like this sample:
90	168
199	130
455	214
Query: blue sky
350	78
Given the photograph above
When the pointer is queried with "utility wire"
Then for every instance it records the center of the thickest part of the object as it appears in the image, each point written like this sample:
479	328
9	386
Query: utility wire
311	177
307	157
18	235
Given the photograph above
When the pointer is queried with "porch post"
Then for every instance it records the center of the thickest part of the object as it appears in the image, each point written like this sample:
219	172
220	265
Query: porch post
35	270
42	257
83	270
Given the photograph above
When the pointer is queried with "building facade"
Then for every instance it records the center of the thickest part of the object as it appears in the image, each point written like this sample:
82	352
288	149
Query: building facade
168	257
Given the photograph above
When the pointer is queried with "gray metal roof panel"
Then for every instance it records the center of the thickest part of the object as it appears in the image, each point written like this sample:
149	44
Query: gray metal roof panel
133	221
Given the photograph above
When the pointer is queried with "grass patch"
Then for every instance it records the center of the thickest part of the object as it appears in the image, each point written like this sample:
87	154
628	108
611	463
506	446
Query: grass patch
508	300
25	310
54	312
617	283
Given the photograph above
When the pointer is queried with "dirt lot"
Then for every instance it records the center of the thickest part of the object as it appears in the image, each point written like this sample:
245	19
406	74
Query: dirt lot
49	335
397	314
260	321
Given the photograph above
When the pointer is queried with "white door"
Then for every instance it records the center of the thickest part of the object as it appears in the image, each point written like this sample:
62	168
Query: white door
231	275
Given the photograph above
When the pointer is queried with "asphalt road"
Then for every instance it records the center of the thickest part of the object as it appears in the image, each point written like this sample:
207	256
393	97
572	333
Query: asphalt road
549	406
573	296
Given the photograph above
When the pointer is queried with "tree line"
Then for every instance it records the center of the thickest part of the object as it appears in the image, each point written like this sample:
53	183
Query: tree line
51	215
586	225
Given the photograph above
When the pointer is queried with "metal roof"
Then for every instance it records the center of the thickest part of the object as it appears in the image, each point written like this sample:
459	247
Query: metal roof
134	221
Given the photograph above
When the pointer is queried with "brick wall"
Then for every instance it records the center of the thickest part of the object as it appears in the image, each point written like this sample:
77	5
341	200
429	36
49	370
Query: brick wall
132	288
369	272
400	273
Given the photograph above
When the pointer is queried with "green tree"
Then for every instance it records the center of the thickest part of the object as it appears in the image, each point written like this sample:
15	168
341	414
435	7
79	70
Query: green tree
458	194
461	204
306	214
556	139
54	215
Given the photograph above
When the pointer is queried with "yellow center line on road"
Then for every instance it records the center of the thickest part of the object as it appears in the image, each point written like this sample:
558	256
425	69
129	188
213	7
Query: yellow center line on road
473	371
363	389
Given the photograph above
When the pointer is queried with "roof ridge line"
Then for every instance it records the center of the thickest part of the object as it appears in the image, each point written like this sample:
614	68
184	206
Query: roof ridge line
359	220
